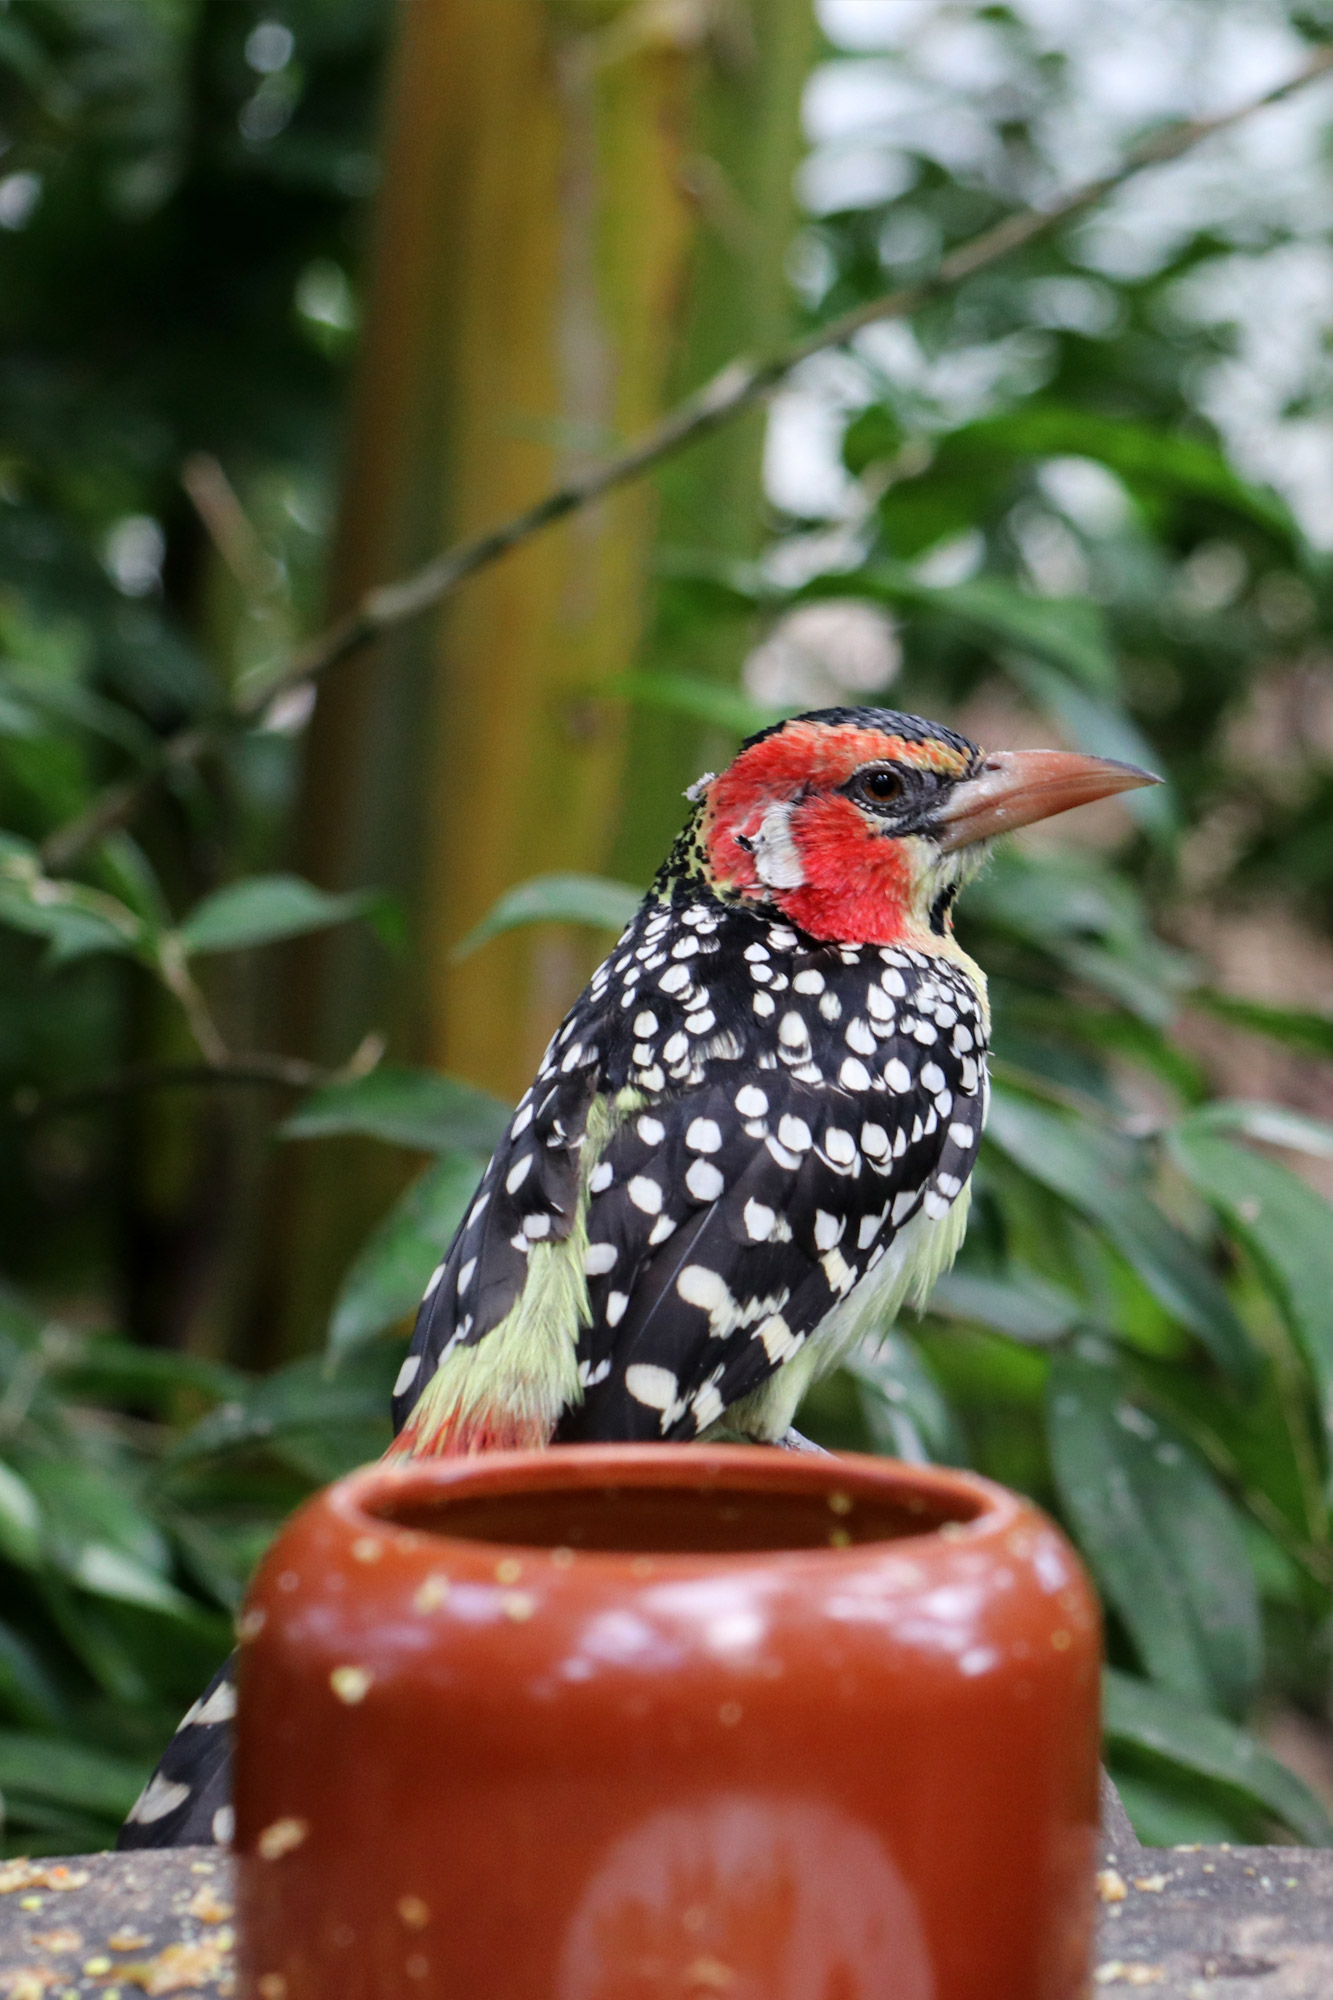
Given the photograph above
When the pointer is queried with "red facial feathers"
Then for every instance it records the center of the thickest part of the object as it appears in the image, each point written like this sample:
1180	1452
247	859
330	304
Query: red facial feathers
858	885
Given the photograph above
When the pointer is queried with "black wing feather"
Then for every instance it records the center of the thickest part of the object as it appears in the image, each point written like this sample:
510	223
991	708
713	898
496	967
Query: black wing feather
755	1073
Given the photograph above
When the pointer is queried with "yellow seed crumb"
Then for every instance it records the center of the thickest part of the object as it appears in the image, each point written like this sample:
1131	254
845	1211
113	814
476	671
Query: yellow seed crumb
351	1684
29	1982
208	1906
365	1549
281	1838
508	1570
1111	1885
431	1594
840	1503
518	1605
414	1913
32	1902
128	1940
839	1538
57	1942
94	1966
1152	1885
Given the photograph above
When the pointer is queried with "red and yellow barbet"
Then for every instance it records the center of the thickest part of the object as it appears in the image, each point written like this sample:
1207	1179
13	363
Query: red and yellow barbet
751	1137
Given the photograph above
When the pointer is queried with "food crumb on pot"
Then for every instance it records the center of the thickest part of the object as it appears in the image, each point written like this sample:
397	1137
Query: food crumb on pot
289	1580
839	1538
1062	1640
840	1503
432	1594
272	1986
281	1837
509	1570
351	1684
710	1975
365	1549
414	1912
518	1605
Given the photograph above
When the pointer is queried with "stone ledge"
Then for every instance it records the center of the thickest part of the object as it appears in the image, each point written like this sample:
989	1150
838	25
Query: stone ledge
1208	1923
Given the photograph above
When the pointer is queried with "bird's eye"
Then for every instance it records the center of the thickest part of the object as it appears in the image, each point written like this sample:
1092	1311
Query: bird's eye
879	788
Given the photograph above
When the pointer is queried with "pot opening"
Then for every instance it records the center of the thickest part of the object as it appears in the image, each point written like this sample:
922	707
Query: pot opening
716	1517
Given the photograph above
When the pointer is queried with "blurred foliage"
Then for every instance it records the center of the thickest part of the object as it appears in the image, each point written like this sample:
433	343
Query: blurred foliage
1140	1329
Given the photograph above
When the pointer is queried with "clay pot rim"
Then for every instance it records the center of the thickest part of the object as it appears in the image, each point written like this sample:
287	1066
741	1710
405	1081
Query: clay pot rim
986	1512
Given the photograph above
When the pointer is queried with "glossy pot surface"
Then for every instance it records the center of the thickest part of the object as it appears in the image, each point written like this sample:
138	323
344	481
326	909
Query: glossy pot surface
664	1723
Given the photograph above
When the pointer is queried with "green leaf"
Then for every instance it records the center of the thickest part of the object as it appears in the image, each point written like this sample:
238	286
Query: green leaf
316	1395
1100	724
703	701
1286	1225
1092	1172
117	1371
98	1536
1312	1032
263	909
905	1412
555	899
1022	1305
391	1271
20	1520
1271	1124
405	1107
1144	455
76	920
110	1572
1141	1717
49	1767
1159	1534
29	1690
1069	632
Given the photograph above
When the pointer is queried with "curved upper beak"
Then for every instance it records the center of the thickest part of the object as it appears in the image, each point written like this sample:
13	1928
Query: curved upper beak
1015	787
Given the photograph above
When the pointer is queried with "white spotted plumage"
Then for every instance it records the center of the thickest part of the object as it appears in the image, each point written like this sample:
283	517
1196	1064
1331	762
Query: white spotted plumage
731	1191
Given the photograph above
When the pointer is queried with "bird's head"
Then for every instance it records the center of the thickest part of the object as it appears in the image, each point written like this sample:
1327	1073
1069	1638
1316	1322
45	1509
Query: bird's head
861	824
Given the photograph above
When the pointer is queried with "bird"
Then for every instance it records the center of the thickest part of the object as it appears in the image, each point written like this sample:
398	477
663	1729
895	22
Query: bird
748	1143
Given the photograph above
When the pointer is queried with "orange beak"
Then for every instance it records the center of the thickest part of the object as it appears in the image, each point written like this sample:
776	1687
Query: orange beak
1015	787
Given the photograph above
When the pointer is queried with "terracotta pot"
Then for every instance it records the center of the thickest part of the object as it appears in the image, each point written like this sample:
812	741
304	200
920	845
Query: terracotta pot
667	1723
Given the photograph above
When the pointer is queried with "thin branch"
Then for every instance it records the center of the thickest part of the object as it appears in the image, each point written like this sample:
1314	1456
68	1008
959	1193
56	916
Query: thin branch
281	1072
256	1068
231	530
740	386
